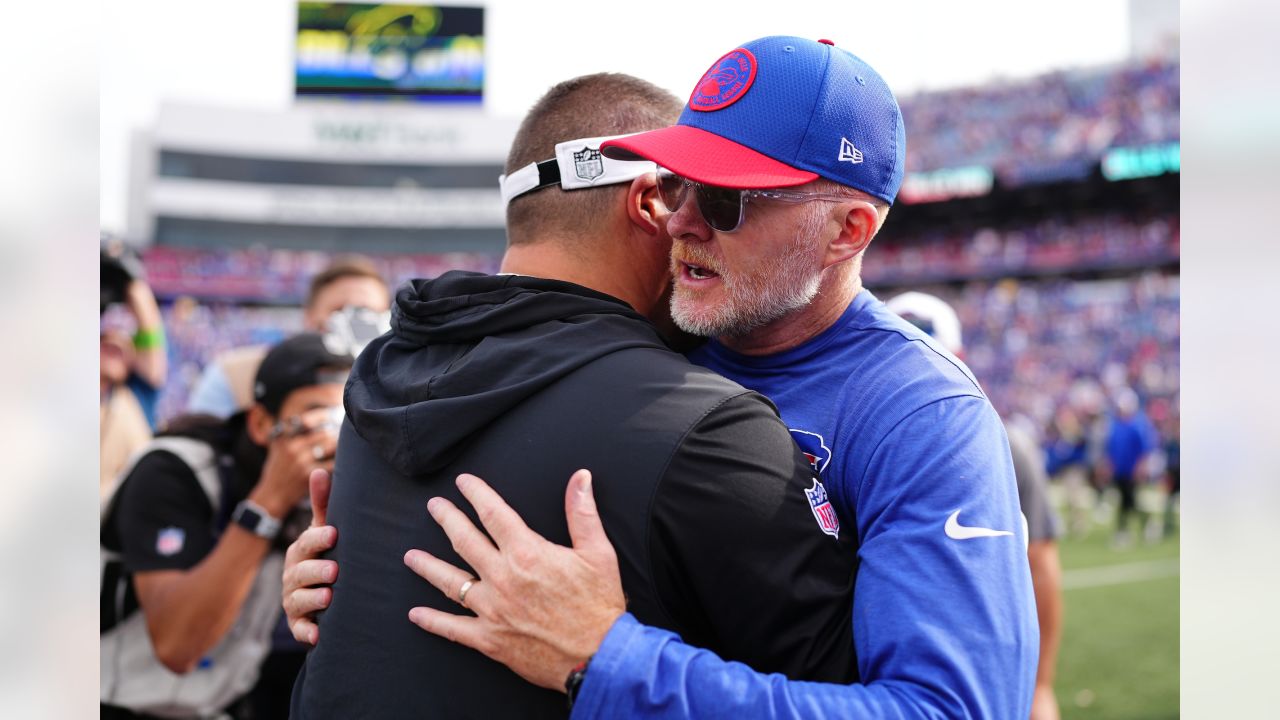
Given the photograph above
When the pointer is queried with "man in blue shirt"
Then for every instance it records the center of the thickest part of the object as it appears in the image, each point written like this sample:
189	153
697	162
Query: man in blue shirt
778	174
1130	439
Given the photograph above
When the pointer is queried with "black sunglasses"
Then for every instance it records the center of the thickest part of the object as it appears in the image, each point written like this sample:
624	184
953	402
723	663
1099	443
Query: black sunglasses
724	208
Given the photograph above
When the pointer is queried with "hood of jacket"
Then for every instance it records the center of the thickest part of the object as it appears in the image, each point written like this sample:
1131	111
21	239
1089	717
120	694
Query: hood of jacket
465	348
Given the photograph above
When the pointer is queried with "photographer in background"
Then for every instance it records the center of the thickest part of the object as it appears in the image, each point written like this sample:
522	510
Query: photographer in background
131	369
348	300
193	535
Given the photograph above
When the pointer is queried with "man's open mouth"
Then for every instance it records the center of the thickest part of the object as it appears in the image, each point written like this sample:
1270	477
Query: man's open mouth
698	272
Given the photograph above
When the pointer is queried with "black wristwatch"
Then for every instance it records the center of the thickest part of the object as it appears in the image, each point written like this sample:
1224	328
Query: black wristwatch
252	517
573	683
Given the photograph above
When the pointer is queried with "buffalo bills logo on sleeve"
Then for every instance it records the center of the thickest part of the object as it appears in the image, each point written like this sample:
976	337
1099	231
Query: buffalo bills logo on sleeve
822	510
725	83
813	447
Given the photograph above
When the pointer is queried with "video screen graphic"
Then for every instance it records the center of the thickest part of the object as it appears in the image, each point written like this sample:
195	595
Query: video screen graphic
387	51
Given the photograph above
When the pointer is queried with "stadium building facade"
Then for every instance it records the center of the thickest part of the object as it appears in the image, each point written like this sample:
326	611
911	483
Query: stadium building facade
377	178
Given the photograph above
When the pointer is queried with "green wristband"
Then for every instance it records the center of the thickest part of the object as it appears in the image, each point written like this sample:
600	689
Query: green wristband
149	338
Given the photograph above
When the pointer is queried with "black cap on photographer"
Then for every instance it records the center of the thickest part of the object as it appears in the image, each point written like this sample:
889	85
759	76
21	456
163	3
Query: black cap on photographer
299	361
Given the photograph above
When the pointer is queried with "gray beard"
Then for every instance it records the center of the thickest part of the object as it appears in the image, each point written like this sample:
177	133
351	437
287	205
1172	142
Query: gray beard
755	301
752	302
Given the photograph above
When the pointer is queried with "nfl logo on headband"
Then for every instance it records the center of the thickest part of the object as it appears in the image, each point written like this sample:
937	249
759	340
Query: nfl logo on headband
588	163
577	164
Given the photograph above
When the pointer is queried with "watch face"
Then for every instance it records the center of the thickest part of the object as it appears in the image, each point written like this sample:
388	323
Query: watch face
249	518
256	522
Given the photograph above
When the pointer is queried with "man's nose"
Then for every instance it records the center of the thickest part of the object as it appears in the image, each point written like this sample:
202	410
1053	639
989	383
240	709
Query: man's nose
687	223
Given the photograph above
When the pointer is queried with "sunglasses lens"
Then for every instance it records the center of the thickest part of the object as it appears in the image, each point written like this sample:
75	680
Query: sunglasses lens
720	207
671	189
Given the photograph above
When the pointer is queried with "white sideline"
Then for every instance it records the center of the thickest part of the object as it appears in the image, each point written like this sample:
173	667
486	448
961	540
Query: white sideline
1119	574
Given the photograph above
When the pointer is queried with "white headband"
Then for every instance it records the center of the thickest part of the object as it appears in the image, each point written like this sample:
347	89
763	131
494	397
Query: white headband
577	164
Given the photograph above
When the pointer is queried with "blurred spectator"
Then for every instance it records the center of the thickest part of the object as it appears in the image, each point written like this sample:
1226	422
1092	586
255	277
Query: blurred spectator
934	316
1173	472
193	536
1067	462
1130	440
347	285
132	368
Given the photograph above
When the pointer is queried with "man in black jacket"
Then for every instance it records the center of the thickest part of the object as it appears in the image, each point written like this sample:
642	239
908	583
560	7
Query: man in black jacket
526	376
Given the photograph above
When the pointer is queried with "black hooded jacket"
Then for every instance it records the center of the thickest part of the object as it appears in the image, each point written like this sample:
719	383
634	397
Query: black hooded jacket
522	381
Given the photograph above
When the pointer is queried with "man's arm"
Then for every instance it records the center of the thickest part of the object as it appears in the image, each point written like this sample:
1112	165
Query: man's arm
152	360
189	609
944	610
1046	568
540	609
1046	576
940	632
739	562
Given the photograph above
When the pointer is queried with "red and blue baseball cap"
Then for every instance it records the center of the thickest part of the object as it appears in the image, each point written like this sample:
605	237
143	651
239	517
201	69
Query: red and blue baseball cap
782	111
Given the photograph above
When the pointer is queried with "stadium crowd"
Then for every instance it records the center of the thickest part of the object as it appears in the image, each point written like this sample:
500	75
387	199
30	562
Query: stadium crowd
277	276
1050	245
1069	115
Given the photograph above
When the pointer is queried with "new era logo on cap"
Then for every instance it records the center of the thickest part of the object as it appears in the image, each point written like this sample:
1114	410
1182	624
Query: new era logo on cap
849	153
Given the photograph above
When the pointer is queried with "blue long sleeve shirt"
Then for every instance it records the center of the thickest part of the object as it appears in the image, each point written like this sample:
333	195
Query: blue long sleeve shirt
914	460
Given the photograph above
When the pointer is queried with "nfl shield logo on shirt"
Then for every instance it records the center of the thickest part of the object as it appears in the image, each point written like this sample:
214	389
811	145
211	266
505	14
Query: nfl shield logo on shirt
822	510
170	540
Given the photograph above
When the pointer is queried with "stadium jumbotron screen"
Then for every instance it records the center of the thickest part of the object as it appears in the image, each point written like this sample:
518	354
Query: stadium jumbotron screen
383	51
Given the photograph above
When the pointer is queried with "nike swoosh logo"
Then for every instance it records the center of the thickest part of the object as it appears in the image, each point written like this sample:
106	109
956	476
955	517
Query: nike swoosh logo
956	531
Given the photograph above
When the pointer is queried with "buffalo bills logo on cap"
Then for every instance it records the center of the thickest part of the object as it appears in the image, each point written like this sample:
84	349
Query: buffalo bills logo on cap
728	80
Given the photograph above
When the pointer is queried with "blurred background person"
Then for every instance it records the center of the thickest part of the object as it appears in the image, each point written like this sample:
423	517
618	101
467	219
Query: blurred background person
133	361
1068	465
348	299
1173	473
937	318
193	536
1130	440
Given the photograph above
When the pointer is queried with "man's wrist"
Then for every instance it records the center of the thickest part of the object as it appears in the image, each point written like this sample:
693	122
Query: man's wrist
275	505
149	338
573	683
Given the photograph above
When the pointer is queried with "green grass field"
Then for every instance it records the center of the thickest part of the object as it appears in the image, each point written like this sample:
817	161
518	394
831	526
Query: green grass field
1119	657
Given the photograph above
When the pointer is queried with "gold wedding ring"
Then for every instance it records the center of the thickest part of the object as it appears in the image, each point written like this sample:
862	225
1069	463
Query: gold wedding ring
466	587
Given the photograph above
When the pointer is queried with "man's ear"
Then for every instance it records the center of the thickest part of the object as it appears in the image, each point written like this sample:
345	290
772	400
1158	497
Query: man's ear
259	424
644	208
859	222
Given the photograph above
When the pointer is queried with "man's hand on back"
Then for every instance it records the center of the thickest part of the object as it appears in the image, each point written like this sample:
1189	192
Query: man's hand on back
541	608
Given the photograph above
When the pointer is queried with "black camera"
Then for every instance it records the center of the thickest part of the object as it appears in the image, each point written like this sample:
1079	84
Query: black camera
120	266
